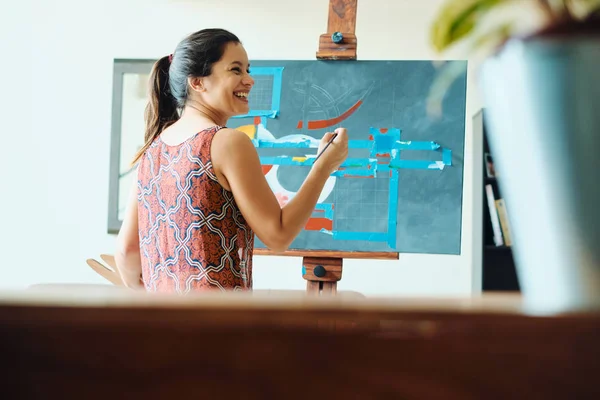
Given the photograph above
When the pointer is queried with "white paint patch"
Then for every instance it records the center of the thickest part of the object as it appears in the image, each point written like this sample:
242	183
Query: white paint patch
437	165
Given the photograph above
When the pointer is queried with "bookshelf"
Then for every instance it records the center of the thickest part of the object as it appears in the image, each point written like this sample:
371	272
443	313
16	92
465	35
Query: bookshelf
498	271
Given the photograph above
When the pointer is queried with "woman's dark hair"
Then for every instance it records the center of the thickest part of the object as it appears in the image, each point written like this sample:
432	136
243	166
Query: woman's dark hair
194	56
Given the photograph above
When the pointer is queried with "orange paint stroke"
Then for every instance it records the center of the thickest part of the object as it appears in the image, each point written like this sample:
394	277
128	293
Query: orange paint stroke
316	224
256	120
324	123
370	137
382	154
299	126
383	130
266	169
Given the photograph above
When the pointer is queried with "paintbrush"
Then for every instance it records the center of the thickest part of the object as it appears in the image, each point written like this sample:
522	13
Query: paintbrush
326	146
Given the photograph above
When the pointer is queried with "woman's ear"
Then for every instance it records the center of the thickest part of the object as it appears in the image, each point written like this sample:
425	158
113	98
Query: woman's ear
196	84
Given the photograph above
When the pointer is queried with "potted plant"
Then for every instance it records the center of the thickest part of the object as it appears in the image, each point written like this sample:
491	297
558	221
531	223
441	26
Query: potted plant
539	75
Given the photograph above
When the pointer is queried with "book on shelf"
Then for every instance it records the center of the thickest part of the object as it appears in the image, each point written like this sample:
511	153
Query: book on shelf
490	170
503	217
498	217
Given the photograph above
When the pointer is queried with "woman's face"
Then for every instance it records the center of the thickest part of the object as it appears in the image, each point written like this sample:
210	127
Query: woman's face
226	89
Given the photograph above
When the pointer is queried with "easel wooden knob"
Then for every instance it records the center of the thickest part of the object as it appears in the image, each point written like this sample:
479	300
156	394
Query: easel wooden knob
339	43
322	274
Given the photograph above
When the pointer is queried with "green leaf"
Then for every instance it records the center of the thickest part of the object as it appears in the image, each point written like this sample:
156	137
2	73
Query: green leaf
493	38
457	19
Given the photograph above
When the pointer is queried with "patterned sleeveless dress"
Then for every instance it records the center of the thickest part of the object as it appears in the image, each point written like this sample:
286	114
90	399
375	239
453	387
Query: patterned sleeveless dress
192	234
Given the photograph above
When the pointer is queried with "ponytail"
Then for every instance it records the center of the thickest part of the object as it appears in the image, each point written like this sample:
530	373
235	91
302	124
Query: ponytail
193	57
161	110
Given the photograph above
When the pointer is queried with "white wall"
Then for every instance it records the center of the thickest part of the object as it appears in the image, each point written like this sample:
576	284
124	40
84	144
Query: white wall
54	207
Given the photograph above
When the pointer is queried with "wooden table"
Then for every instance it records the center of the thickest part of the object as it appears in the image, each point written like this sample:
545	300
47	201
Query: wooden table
274	345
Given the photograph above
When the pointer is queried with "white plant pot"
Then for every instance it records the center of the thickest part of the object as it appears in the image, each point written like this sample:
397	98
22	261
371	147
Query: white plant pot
542	101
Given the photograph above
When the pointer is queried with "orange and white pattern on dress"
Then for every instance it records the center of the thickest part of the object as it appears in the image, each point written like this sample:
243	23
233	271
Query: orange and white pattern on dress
192	233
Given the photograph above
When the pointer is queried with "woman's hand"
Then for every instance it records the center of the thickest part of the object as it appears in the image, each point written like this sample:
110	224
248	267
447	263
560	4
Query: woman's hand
336	153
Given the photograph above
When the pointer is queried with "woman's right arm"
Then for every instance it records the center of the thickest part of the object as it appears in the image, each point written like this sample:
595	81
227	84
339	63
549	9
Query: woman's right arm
235	158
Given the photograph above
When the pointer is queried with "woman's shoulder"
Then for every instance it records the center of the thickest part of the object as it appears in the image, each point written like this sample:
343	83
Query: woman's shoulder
231	144
232	133
231	138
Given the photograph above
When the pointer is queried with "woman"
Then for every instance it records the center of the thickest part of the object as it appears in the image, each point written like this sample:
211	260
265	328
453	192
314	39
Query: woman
201	194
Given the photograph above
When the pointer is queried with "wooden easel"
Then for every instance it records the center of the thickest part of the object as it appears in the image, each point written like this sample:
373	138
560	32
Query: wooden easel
323	269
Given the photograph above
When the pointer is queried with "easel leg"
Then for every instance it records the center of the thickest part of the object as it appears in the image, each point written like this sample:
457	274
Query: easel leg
322	275
320	288
313	288
329	289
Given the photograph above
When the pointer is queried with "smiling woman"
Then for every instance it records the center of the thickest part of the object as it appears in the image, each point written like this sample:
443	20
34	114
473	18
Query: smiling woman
201	194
